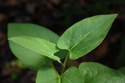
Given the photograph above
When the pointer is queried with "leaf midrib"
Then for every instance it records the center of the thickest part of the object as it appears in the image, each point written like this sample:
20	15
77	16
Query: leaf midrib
87	35
68	79
31	49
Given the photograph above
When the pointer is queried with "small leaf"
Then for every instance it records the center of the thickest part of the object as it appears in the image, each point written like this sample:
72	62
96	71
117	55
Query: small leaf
85	35
97	73
31	59
37	45
47	75
20	64
87	72
72	75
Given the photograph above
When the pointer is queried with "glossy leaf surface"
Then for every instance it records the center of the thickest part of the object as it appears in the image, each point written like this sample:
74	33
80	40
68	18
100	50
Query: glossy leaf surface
85	35
31	59
40	46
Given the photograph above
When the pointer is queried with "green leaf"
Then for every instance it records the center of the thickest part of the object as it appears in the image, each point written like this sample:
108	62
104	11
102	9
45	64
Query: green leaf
97	73
47	75
20	64
61	54
72	75
40	46
87	72
85	35
32	30
31	59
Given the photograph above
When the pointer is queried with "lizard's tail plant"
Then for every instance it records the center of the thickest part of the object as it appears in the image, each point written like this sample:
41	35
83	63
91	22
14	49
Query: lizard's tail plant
37	47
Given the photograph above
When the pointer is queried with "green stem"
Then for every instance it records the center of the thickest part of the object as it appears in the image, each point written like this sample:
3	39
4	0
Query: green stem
55	71
64	64
54	68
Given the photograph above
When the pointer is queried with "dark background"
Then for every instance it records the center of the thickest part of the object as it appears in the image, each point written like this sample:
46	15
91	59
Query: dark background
58	15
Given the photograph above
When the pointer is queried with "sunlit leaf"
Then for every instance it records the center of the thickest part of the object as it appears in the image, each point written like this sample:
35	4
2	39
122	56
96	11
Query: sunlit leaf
40	46
31	59
85	35
47	75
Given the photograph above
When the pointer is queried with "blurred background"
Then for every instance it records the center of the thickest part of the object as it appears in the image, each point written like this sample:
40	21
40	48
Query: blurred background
58	15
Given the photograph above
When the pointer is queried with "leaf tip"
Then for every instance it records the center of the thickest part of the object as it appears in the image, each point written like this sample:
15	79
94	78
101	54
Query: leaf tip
9	38
115	15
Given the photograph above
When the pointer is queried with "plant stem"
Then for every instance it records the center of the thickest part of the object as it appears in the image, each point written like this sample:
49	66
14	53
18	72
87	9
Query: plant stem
54	68
64	64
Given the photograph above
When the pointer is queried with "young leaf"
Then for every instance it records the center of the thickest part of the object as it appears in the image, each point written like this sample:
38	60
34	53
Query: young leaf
85	35
72	75
31	59
37	45
89	72
47	75
97	73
